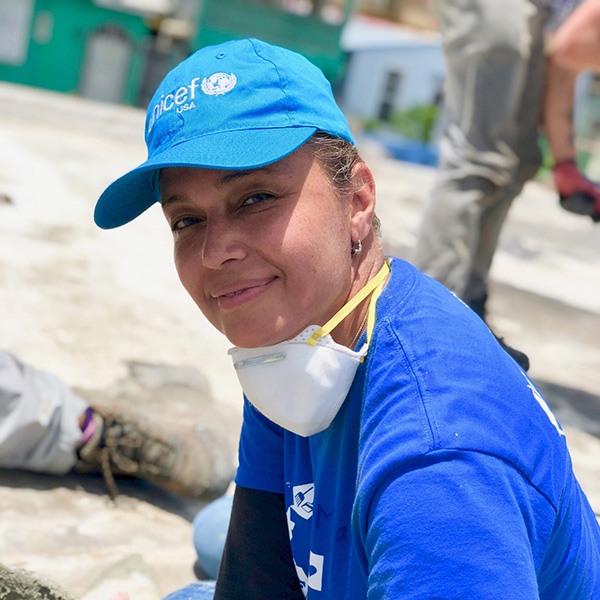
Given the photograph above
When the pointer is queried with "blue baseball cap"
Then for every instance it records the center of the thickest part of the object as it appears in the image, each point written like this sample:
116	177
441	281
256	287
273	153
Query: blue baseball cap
238	105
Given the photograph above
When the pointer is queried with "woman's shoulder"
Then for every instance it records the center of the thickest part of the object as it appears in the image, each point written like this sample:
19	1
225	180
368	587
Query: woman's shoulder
421	315
438	380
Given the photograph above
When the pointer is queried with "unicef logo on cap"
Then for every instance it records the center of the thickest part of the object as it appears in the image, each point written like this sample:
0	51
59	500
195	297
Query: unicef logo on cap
218	83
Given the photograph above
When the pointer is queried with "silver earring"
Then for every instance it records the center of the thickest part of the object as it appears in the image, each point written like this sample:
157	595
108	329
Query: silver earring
355	248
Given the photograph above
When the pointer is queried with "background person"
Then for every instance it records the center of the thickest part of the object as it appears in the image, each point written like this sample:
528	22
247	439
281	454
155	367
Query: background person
390	447
46	428
495	64
574	48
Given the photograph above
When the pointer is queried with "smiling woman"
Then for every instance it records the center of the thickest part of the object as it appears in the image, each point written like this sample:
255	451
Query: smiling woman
266	252
390	447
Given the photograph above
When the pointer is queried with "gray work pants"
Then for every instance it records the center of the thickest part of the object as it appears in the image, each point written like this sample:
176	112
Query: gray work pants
493	93
39	419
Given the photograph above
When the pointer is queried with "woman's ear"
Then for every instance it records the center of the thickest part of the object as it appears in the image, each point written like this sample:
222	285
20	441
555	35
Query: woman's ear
363	201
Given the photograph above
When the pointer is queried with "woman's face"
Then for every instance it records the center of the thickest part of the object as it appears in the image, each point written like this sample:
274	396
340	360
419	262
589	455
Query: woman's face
263	253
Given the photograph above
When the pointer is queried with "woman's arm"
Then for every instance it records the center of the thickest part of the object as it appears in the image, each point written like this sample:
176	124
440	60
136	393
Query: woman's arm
456	525
257	560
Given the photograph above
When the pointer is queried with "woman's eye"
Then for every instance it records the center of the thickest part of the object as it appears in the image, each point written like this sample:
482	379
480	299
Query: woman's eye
256	199
180	224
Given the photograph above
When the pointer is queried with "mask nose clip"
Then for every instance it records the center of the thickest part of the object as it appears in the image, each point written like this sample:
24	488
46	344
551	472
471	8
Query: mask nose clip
258	360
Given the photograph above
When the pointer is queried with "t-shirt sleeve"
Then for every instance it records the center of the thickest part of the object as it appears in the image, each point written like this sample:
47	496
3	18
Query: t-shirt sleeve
257	560
260	452
455	524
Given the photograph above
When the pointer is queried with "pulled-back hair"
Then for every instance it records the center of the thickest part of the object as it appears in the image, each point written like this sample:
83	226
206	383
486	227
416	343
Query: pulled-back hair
338	158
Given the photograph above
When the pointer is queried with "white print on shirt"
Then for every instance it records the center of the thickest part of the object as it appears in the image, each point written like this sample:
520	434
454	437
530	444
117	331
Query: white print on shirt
304	497
542	403
303	500
314	578
290	523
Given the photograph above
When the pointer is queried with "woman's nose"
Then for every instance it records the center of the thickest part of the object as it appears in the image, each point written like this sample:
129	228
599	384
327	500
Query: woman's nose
222	243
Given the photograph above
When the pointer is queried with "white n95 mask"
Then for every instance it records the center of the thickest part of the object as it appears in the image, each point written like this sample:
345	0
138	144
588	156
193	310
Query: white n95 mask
301	383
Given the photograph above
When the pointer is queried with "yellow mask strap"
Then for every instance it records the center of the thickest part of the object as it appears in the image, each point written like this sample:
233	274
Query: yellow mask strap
374	284
372	304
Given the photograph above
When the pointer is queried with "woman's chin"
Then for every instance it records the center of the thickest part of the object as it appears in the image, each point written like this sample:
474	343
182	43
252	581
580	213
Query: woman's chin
258	338
255	341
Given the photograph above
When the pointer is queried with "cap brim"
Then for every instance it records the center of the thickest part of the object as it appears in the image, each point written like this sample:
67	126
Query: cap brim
130	195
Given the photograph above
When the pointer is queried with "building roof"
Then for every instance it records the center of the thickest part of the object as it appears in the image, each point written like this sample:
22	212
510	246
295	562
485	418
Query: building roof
371	33
143	7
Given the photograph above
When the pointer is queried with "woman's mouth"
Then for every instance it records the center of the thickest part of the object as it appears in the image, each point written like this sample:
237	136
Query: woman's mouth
251	291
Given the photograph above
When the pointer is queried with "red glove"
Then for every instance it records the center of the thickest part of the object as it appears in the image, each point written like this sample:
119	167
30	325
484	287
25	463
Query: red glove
577	193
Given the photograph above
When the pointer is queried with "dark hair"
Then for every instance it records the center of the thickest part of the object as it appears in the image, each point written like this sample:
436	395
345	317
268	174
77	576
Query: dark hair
338	159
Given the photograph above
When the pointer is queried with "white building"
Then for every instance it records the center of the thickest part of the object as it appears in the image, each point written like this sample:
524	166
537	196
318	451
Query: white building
390	68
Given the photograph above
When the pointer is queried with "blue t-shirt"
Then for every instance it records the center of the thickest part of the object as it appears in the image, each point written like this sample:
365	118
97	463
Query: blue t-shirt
444	474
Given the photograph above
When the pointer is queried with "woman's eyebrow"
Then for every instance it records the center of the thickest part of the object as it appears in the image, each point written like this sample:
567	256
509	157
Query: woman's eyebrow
171	200
236	175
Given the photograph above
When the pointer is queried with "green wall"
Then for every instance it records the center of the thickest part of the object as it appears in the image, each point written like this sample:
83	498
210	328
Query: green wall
56	63
318	41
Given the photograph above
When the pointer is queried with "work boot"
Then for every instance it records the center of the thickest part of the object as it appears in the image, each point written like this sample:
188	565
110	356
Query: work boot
577	193
478	306
193	461
18	584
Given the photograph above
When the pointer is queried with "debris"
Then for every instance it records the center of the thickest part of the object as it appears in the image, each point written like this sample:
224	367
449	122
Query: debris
25	585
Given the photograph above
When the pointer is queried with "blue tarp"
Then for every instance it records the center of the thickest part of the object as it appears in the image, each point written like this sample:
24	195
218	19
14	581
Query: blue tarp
408	150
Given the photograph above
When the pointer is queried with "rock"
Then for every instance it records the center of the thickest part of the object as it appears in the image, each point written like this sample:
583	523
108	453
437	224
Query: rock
19	584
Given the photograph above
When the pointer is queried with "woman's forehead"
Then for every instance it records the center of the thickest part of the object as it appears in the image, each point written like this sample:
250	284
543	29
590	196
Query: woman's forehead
298	163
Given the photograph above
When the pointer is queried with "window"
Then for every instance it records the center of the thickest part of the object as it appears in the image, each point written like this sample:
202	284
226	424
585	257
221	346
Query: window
331	11
15	23
386	108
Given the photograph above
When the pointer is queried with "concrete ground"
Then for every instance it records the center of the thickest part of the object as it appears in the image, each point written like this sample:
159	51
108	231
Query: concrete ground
106	313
